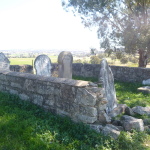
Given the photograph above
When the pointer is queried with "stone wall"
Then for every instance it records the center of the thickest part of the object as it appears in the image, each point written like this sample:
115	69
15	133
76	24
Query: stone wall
80	100
126	74
22	68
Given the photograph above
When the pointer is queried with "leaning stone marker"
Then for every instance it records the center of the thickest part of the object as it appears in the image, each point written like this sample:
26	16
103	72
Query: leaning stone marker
42	65
107	80
4	62
65	65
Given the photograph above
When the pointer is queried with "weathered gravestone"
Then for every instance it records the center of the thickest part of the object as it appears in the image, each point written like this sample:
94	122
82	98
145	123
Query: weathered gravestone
107	80
42	65
65	65
4	62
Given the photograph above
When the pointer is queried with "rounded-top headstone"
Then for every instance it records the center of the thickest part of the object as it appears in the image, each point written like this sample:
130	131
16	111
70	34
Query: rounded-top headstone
65	60
4	62
42	65
106	78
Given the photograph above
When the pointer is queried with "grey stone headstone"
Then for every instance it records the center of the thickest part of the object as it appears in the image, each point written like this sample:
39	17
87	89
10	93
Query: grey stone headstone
4	62
42	65
65	60
106	78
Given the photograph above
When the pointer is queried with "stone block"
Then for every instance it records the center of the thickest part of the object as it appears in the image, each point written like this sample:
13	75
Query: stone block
103	117
141	110
86	119
23	96
111	130
130	123
84	97
17	85
118	110
88	111
38	99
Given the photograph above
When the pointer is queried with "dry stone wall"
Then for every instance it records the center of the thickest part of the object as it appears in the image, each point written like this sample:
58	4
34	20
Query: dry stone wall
22	68
80	100
125	74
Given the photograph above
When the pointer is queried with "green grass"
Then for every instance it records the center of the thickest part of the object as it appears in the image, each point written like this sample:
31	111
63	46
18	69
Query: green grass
21	61
28	61
24	126
127	94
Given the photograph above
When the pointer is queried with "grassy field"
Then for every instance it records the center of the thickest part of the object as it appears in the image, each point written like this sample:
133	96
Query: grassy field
24	126
30	61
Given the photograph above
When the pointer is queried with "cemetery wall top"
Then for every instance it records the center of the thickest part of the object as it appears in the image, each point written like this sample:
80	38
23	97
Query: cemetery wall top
80	100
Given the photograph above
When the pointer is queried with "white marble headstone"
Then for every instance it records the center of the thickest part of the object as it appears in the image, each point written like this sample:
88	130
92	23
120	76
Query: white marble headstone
4	62
107	79
42	65
65	60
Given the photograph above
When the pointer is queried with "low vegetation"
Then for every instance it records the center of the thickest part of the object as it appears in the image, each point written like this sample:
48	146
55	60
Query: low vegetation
24	126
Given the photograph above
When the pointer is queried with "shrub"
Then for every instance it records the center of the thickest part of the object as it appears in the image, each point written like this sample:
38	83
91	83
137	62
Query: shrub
133	59
124	60
113	57
94	60
77	61
101	56
119	54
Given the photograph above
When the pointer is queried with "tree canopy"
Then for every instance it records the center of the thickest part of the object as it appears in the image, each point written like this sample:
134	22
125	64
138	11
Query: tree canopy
121	23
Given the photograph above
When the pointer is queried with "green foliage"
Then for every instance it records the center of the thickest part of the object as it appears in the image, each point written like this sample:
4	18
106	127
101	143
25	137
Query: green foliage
124	60
127	94
120	23
118	54
101	56
95	60
77	61
133	59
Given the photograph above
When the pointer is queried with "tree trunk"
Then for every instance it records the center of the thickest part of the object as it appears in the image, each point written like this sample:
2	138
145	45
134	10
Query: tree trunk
142	58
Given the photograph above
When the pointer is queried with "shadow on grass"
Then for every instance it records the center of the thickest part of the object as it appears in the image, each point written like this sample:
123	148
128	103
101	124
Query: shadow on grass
127	94
24	126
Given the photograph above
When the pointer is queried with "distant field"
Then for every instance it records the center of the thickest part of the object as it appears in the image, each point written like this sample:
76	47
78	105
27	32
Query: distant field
28	61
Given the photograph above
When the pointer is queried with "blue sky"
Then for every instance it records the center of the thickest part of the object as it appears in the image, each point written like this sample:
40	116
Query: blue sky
42	24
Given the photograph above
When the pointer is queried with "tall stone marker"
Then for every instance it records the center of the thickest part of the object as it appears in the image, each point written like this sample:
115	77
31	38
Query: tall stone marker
42	65
107	79
4	62
65	60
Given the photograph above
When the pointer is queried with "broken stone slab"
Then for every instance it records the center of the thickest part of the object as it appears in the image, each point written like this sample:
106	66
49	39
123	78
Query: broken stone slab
129	111
103	117
118	110
106	79
111	130
141	110
146	82
130	123
144	89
